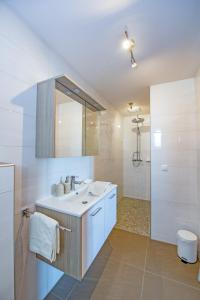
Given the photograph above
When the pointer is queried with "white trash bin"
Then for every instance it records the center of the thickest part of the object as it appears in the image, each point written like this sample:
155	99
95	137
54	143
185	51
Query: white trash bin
187	243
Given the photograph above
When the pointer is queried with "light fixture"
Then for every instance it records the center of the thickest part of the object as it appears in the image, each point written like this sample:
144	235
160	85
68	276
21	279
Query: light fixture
133	65
129	44
133	62
133	108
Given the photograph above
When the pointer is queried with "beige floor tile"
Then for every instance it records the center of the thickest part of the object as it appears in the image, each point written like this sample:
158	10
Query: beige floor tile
119	282
117	272
121	272
108	267
162	259
128	247
115	291
157	288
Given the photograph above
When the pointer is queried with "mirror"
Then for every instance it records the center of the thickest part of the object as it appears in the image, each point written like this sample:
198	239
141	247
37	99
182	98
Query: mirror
69	126
92	132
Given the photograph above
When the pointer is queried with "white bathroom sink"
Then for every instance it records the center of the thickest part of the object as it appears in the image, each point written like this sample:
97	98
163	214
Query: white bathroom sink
75	203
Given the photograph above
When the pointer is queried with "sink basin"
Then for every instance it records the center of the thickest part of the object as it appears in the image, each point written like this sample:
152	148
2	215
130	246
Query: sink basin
75	203
79	197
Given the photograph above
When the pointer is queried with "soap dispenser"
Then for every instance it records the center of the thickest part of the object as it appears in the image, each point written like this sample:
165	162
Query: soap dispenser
67	185
59	188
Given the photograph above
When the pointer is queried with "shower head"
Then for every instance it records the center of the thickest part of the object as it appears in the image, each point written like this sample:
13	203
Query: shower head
138	120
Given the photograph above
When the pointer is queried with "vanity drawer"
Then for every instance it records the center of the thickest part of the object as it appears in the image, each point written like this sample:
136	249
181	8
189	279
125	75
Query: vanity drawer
92	234
110	205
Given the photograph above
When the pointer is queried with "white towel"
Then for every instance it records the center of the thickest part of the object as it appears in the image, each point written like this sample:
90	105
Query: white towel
98	187
44	236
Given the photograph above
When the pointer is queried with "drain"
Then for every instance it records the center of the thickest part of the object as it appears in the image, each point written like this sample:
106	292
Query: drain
84	202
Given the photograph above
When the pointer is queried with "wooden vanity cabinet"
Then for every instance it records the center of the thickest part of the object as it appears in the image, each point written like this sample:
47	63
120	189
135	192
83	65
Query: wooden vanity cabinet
89	232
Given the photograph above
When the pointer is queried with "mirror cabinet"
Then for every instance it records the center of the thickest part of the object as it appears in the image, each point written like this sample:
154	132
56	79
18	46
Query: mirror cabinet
67	121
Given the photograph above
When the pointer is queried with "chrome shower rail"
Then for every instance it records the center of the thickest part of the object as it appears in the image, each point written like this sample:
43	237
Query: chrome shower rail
136	158
27	213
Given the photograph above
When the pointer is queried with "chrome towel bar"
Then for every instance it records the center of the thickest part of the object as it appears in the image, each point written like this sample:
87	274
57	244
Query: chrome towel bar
27	213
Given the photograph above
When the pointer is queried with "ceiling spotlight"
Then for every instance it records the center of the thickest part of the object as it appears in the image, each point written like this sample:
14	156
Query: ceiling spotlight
129	44
133	62
134	65
133	108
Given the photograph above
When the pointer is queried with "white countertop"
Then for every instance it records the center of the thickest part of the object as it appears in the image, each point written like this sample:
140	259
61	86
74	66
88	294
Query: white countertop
71	203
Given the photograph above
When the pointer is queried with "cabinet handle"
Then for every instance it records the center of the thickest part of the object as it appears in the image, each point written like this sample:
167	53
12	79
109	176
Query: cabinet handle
96	211
112	196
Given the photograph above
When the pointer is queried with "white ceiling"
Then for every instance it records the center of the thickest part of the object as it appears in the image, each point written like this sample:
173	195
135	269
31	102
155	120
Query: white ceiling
88	34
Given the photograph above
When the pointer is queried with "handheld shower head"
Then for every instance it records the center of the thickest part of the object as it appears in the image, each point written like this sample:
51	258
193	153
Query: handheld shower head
138	120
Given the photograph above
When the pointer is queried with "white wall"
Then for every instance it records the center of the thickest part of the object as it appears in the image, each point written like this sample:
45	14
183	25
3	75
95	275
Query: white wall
136	180
174	136
197	89
24	61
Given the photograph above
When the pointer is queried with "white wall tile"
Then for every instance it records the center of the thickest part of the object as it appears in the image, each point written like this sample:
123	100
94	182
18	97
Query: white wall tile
183	94
16	129
173	157
179	140
18	96
174	143
174	122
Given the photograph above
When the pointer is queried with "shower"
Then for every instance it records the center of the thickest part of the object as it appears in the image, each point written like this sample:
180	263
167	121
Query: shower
134	207
136	158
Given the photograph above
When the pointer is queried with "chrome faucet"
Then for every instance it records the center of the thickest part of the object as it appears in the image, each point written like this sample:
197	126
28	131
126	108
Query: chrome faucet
74	181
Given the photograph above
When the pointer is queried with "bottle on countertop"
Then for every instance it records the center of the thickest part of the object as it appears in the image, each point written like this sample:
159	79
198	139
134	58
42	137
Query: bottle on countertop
67	185
59	188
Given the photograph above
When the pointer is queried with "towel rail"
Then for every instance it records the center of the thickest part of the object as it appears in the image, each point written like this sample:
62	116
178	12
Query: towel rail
27	213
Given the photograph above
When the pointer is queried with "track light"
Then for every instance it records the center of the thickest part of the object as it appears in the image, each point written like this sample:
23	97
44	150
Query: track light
129	44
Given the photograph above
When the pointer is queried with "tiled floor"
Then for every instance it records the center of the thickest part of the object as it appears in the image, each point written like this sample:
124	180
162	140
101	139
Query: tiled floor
134	215
133	267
